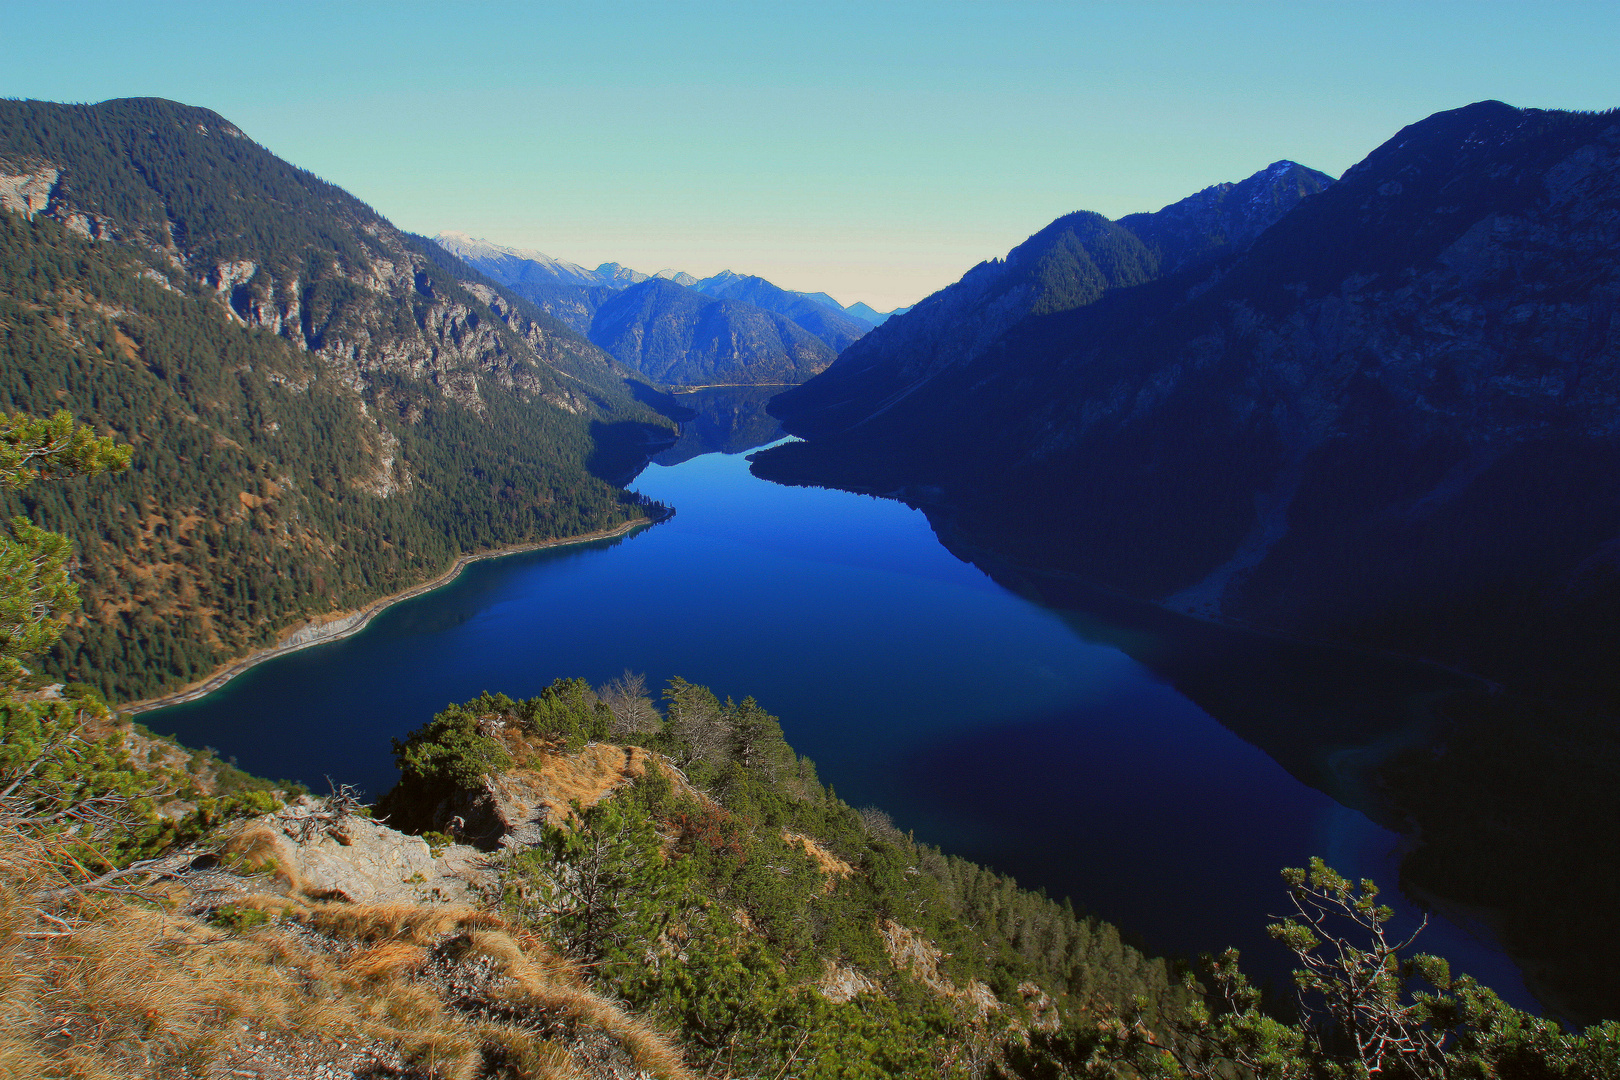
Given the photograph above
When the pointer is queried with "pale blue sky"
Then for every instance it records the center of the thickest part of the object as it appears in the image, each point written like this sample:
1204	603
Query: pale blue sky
874	150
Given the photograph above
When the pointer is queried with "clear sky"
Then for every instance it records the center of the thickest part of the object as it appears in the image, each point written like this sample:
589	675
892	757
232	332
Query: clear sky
872	150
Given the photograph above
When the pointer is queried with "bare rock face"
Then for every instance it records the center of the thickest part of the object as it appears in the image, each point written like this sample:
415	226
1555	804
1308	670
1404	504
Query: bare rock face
512	809
841	982
29	191
920	956
350	857
36	189
1044	1012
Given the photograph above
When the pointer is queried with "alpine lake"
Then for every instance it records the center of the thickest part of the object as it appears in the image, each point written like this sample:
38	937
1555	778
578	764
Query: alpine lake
1156	770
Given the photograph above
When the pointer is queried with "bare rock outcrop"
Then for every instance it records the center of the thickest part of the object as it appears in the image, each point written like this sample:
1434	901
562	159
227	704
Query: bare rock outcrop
511	808
841	982
27	191
913	952
333	855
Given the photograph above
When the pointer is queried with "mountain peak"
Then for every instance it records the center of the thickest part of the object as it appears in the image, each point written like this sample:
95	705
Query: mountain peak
826	319
618	273
511	265
1226	216
480	245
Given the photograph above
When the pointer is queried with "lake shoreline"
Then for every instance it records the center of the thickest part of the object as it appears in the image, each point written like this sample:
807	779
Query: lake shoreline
999	729
348	623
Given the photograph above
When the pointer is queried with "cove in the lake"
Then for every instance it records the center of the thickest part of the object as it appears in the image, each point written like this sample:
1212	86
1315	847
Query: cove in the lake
1015	733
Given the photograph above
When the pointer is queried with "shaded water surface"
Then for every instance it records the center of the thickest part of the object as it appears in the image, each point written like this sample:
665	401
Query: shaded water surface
1015	733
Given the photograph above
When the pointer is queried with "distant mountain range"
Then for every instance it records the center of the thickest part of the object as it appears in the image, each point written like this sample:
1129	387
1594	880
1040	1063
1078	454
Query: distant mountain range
515	266
822	317
744	341
521	266
1380	411
676	336
872	315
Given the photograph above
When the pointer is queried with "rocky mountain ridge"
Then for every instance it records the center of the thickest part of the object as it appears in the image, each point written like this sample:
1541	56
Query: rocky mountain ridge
575	295
1071	263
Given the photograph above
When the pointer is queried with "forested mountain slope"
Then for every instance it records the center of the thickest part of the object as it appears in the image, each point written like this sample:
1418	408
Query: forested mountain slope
1390	422
323	409
822	316
676	336
1069	264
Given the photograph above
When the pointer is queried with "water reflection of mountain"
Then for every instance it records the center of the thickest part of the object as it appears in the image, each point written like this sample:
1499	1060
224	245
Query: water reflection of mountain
1328	714
1506	799
729	420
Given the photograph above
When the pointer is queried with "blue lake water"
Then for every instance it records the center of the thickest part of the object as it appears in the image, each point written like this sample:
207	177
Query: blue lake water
1007	732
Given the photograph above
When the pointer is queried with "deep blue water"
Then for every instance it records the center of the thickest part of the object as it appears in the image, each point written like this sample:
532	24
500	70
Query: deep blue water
1003	731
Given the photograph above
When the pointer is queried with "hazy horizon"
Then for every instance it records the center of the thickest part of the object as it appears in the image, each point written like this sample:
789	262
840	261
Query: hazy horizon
873	152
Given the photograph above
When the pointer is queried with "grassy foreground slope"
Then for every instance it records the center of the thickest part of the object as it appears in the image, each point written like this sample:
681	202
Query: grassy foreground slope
598	910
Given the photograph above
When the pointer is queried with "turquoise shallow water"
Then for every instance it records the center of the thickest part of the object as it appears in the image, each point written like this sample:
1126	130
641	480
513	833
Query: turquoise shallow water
1005	731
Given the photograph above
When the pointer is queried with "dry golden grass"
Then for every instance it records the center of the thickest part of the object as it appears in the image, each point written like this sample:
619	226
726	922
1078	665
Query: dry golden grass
386	961
261	848
554	781
537	987
828	863
109	987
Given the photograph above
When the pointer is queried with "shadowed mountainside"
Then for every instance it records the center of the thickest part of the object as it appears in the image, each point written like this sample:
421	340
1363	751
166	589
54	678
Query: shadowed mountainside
1389	422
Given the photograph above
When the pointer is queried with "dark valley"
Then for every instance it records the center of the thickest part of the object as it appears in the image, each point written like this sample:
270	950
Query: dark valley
1385	420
